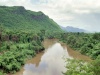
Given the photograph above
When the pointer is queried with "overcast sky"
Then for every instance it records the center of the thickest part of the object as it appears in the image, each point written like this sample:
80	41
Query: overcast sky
83	14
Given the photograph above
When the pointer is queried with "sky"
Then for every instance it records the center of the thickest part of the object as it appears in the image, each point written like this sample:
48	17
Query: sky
84	14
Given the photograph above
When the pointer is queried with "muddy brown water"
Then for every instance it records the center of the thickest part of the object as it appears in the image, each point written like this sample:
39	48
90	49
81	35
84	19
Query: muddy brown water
51	61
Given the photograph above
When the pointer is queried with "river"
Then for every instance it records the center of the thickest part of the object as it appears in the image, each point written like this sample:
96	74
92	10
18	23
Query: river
51	61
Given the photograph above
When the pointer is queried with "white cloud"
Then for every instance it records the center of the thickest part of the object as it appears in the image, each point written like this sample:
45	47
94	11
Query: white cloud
64	12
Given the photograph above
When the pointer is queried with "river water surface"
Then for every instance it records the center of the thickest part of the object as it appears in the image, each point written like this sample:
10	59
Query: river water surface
51	61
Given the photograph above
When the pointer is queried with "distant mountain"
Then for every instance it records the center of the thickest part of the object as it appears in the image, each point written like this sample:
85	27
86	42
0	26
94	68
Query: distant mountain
72	29
20	19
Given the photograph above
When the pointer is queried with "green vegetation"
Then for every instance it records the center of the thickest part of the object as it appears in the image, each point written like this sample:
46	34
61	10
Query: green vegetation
16	48
17	18
78	67
85	43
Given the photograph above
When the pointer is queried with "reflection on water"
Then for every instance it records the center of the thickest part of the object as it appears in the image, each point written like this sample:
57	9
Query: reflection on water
49	62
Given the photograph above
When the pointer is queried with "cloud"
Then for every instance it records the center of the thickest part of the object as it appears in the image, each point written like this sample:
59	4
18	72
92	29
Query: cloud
77	13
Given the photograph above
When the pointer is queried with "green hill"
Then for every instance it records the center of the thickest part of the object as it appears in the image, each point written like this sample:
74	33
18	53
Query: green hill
21	34
19	19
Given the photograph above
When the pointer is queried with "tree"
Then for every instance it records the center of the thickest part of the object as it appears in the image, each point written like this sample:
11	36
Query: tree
77	67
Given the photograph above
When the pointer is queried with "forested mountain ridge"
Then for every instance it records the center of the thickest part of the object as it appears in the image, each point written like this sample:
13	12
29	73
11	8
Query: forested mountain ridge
18	18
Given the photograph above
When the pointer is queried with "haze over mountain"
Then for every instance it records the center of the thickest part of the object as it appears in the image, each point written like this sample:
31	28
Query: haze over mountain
84	14
72	29
18	18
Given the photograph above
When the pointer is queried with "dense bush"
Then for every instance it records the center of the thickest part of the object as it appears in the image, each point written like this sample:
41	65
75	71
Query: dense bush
78	67
86	43
16	47
11	61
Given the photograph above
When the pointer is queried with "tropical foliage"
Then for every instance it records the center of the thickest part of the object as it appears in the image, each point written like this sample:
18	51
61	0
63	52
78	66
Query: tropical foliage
79	67
16	47
86	43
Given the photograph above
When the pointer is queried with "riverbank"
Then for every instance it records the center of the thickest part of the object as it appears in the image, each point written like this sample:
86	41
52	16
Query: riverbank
76	54
86	43
17	48
34	60
51	58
